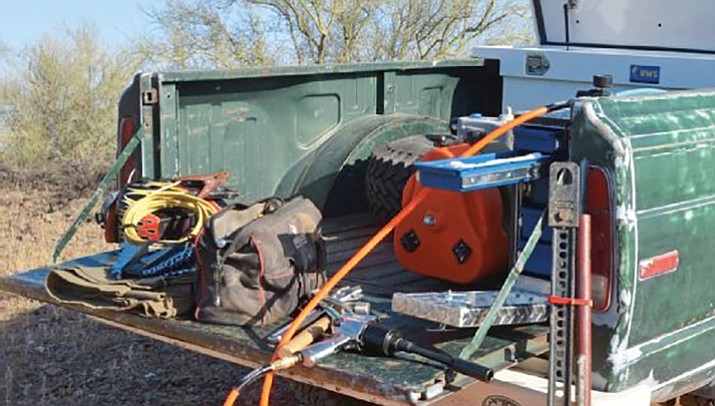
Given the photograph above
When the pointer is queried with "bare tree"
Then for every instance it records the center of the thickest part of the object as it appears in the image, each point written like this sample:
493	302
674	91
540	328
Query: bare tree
61	103
322	30
5	56
229	33
437	29
193	34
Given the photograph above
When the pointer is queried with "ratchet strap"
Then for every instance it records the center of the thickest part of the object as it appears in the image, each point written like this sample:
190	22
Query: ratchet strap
516	270
101	189
570	301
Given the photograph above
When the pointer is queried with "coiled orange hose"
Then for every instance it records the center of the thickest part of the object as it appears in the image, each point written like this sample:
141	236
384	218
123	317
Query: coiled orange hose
375	240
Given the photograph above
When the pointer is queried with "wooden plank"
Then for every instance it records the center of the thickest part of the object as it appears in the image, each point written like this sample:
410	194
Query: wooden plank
388	276
344	255
404	278
373	272
361	232
427	284
342	224
375	261
376	279
351	244
382	250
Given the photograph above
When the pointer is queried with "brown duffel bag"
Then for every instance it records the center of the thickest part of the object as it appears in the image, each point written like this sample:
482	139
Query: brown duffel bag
258	263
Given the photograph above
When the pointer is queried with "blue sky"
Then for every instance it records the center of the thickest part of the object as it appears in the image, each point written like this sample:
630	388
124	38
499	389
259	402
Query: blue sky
117	21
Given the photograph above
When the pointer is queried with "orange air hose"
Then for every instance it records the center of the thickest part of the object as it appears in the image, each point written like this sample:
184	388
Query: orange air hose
376	239
231	398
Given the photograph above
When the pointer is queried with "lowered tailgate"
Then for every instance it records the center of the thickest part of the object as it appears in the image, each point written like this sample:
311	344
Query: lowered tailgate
379	380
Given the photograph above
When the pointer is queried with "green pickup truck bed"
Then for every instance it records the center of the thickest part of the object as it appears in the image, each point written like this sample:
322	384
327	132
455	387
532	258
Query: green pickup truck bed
379	380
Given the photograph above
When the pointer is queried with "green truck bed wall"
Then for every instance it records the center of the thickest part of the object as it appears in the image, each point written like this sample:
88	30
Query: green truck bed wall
292	130
660	151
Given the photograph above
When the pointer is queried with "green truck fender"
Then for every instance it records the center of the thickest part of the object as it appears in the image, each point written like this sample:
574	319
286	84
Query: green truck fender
335	165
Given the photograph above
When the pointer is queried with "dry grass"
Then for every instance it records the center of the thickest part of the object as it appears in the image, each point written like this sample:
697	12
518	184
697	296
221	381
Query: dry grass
52	356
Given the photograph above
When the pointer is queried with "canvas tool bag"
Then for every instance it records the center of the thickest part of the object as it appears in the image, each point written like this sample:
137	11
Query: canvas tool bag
257	263
95	288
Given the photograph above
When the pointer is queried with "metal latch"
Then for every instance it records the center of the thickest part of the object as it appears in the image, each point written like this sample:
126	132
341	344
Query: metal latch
537	65
150	97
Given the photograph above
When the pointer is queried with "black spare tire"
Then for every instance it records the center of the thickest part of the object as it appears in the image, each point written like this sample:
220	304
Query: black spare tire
389	167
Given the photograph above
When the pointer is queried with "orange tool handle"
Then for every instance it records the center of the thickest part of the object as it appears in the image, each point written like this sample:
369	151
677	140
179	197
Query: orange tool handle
306	337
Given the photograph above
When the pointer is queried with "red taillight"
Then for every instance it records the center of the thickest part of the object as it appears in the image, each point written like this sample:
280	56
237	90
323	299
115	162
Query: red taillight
598	205
127	128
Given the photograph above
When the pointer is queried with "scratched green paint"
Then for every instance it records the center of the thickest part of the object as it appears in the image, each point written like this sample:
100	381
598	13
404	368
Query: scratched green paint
270	127
664	188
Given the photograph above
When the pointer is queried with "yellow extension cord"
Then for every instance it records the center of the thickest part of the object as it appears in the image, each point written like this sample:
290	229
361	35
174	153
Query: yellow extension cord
158	196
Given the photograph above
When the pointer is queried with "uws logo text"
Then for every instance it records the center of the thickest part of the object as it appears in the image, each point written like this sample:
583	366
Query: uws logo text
496	400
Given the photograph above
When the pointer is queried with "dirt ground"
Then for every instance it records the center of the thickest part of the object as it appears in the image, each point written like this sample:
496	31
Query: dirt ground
51	356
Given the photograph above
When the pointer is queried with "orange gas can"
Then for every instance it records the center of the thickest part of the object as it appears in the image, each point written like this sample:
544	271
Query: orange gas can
453	236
